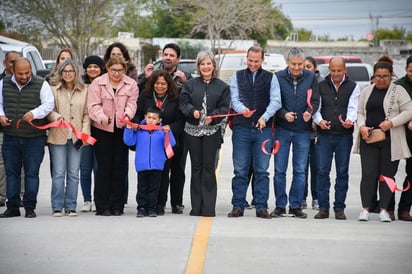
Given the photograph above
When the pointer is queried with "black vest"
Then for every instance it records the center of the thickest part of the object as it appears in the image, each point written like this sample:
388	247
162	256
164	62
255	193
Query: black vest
335	104
17	103
254	95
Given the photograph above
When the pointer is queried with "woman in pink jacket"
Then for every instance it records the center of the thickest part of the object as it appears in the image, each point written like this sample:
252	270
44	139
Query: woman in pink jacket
111	97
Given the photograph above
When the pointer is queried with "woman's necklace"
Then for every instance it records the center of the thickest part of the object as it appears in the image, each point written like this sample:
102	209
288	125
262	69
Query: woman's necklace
159	101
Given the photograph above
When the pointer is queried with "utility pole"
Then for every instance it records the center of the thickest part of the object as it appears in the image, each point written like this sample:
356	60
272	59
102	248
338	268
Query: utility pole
377	17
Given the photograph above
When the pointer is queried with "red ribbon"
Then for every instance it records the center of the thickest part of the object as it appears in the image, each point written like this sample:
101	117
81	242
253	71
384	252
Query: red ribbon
63	124
168	146
231	114
308	98
392	184
275	148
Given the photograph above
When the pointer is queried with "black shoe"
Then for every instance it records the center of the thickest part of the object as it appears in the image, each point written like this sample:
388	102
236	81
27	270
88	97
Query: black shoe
30	213
340	215
235	213
298	213
10	212
278	212
322	214
140	213
152	214
105	212
177	209
116	212
264	214
160	210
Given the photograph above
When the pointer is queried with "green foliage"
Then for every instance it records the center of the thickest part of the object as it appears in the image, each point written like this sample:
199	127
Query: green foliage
303	34
189	51
2	26
397	33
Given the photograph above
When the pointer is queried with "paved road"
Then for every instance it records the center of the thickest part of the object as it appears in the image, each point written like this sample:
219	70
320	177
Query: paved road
96	244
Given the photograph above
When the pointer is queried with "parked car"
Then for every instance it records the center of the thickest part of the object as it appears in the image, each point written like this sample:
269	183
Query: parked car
361	73
31	53
49	64
348	59
188	65
231	62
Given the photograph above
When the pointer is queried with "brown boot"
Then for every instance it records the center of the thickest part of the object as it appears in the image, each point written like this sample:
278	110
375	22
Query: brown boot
404	216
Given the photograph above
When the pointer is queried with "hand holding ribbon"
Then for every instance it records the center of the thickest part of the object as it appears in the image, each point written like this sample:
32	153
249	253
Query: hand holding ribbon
63	124
346	124
168	146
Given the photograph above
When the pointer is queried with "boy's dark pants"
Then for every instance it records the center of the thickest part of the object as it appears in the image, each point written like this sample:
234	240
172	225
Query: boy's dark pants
147	189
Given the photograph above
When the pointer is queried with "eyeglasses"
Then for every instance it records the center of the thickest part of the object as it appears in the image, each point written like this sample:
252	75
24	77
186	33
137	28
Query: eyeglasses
382	77
68	71
119	71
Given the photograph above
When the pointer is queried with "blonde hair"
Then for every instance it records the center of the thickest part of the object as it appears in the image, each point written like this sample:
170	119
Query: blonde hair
58	77
201	56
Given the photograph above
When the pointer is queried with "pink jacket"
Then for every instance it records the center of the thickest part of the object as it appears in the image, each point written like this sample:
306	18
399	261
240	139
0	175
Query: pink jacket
103	103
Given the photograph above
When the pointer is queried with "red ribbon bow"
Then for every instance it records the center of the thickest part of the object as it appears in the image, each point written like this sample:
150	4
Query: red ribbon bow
63	124
168	146
392	184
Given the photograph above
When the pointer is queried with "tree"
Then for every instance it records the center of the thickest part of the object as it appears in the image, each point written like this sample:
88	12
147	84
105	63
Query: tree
397	33
303	34
70	23
228	19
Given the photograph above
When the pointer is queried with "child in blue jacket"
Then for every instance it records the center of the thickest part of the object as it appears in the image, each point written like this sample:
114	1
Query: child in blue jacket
149	160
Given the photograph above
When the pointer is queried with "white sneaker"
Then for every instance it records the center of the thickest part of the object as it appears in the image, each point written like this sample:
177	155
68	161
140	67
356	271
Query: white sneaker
71	213
363	216
93	207
57	214
384	216
87	207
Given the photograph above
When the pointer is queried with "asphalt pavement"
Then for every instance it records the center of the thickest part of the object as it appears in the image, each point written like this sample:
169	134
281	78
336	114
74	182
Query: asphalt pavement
171	243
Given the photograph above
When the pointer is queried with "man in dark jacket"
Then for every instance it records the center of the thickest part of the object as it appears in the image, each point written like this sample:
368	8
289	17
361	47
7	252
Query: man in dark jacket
335	119
300	98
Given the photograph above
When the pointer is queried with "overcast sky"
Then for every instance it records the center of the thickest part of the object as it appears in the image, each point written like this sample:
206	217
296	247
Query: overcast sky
344	18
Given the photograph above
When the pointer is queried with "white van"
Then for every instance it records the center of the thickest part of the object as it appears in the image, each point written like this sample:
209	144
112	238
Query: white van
31	53
231	62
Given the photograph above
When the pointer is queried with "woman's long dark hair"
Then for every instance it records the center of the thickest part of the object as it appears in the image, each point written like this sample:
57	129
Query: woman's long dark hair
171	86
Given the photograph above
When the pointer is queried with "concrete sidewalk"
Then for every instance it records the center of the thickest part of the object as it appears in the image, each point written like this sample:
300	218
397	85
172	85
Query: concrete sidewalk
125	244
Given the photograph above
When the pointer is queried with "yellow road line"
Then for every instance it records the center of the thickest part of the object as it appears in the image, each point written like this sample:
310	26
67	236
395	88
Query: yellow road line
199	246
200	240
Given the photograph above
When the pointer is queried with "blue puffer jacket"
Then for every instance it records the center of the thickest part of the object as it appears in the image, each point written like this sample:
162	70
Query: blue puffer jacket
150	147
294	98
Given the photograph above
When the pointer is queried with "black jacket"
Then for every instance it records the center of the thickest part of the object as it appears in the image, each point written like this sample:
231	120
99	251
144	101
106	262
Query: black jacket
217	94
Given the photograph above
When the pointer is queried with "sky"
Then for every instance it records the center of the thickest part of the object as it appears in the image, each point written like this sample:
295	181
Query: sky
347	18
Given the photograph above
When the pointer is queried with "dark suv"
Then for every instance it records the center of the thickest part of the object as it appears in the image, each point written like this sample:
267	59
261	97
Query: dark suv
187	65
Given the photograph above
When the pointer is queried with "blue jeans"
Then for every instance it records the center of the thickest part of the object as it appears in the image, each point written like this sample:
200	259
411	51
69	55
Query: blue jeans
340	146
26	152
66	165
88	164
300	141
247	149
